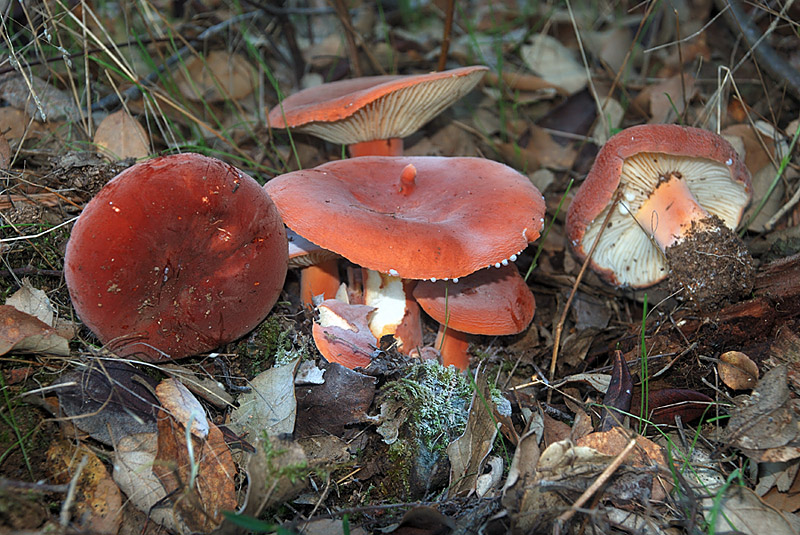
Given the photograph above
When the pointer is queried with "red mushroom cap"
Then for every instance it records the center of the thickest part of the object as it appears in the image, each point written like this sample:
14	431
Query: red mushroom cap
452	217
373	107
342	333
634	160
490	301
179	255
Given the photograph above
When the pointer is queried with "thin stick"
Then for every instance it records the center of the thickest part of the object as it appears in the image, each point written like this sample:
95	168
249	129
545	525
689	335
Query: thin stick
599	482
448	29
563	319
73	485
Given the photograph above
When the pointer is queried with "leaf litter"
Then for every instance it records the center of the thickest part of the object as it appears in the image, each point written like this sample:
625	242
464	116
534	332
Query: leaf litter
400	446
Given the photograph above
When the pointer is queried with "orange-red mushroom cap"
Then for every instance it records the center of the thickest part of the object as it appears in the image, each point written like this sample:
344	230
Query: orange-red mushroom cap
490	301
458	216
176	256
636	160
373	107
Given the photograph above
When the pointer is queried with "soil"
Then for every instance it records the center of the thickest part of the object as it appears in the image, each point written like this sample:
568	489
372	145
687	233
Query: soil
711	266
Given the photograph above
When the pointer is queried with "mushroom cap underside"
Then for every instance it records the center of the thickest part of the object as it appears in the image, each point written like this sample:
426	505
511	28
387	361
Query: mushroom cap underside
374	107
462	214
634	161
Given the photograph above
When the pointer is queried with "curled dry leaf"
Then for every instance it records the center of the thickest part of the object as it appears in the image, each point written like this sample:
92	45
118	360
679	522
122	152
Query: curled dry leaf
664	405
737	371
270	406
23	332
219	76
183	406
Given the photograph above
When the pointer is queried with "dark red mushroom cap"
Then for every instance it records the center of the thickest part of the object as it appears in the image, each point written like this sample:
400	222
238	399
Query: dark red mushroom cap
490	301
176	255
374	107
636	160
413	217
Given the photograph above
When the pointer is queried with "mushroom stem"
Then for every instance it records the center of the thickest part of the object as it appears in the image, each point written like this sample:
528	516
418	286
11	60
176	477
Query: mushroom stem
378	147
408	179
453	346
670	211
320	279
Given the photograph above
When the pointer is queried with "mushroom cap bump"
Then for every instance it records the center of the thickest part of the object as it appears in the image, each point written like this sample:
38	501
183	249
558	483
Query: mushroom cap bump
373	107
461	215
635	160
175	256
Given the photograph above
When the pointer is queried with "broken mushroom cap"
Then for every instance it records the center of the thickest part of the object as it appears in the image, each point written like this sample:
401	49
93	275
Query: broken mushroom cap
342	333
490	301
176	256
413	217
673	181
373	108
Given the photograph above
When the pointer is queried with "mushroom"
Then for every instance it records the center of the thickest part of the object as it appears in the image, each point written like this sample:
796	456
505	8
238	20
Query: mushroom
682	191
342	333
413	217
176	256
319	275
371	115
490	301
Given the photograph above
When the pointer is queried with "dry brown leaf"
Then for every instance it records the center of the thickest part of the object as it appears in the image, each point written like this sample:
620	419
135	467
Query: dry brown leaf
183	406
737	371
120	136
554	62
23	332
98	503
38	98
220	76
740	510
270	407
667	98
199	500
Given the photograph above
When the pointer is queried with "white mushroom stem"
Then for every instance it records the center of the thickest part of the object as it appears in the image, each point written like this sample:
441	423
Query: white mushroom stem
396	311
408	178
670	211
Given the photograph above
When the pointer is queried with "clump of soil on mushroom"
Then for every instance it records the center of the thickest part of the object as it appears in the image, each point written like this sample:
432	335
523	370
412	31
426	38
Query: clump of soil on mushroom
710	266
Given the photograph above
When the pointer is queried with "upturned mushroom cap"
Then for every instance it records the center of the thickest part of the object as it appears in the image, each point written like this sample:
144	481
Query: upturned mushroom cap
175	256
446	219
490	301
342	333
374	107
637	160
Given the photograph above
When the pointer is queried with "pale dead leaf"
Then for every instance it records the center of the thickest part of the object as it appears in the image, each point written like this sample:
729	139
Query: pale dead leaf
554	62
270	406
16	124
668	99
33	301
183	406
39	99
220	76
740	510
120	136
133	472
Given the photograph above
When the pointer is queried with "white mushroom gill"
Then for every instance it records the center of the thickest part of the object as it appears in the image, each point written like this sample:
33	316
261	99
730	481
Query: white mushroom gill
626	246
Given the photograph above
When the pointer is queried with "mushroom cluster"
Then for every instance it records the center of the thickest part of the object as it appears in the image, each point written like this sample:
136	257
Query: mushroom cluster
680	192
175	256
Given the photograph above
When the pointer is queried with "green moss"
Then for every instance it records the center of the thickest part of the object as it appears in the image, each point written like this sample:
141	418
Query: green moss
274	342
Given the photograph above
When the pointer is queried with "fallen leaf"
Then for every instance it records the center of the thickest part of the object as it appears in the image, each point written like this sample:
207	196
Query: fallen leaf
23	332
740	510
617	400
554	62
737	371
98	502
120	136
270	406
468	452
323	409
218	77
47	104
133	471
33	301
109	400
664	405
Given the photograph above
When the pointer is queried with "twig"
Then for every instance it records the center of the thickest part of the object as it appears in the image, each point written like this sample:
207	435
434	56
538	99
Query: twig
40	234
73	485
599	482
448	30
563	319
30	270
775	65
349	34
